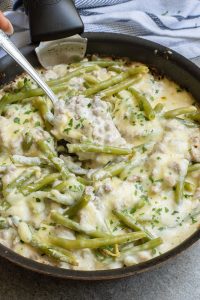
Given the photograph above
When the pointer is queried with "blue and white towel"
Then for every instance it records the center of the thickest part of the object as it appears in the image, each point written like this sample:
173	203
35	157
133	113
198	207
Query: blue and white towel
173	23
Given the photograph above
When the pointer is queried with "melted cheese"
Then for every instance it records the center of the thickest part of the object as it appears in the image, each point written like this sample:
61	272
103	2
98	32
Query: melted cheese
118	121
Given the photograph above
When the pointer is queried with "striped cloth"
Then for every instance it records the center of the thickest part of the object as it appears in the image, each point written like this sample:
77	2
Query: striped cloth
6	5
173	23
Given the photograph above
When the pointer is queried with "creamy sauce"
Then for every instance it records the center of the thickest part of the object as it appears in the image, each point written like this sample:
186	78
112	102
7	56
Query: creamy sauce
172	146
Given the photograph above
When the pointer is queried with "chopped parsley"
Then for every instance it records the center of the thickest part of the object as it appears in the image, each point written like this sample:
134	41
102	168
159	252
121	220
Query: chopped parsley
37	124
17	120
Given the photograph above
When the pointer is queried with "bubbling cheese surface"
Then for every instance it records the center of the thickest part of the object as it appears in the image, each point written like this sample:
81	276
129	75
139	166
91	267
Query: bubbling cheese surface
155	188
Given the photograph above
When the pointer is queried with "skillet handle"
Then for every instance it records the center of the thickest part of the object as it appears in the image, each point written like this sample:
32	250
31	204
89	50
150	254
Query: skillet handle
52	19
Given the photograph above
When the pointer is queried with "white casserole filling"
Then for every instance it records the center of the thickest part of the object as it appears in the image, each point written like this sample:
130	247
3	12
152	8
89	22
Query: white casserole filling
171	147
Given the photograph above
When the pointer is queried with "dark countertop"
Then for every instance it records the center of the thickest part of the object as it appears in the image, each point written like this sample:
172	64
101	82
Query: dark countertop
177	279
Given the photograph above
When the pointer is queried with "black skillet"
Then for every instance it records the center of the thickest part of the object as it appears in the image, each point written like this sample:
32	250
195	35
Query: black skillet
165	62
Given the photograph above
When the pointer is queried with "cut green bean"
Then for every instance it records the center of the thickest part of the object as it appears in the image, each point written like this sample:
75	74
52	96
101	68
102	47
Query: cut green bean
75	148
152	244
119	87
126	172
115	69
110	170
100	63
27	141
74	168
96	242
114	80
158	108
54	252
179	111
129	222
56	161
40	184
72	74
194	116
27	235
188	123
68	185
4	205
179	189
193	168
45	113
19	181
190	187
81	203
16	97
28	161
61	187
70	224
140	204
90	79
84	181
143	103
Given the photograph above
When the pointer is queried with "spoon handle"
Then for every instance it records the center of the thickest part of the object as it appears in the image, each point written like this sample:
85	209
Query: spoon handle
10	48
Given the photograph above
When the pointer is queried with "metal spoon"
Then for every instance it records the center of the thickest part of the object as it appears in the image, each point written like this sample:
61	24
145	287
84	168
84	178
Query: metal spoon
10	48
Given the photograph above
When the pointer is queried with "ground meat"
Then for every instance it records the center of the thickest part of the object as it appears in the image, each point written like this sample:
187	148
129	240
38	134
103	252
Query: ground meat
195	149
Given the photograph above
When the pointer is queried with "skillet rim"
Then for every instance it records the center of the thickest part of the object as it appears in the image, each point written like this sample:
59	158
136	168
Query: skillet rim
52	271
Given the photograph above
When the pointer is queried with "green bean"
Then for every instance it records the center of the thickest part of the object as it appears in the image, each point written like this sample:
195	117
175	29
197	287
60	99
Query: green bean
28	161
129	167
54	252
188	123
45	113
45	148
4	223
143	103
140	204
194	167
84	181
81	203
90	79
114	80
194	116
192	215
152	244
96	242
27	141
72	74
70	187
19	181
110	170
74	168
74	148
179	189
129	222
4	205
61	187
56	161
53	195
115	69
179	111
119	87
70	224
16	97
190	187
100	63
158	108
41	183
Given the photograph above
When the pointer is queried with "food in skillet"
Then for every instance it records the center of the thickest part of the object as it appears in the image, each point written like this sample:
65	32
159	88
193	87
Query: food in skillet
107	177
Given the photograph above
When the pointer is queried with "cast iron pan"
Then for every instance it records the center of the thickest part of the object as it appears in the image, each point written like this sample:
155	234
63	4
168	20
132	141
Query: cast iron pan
157	57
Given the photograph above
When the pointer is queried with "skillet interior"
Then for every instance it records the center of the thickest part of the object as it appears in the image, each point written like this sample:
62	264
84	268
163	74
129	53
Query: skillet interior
168	63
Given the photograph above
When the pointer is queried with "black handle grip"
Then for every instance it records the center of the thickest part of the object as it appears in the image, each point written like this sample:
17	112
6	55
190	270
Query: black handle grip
53	19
